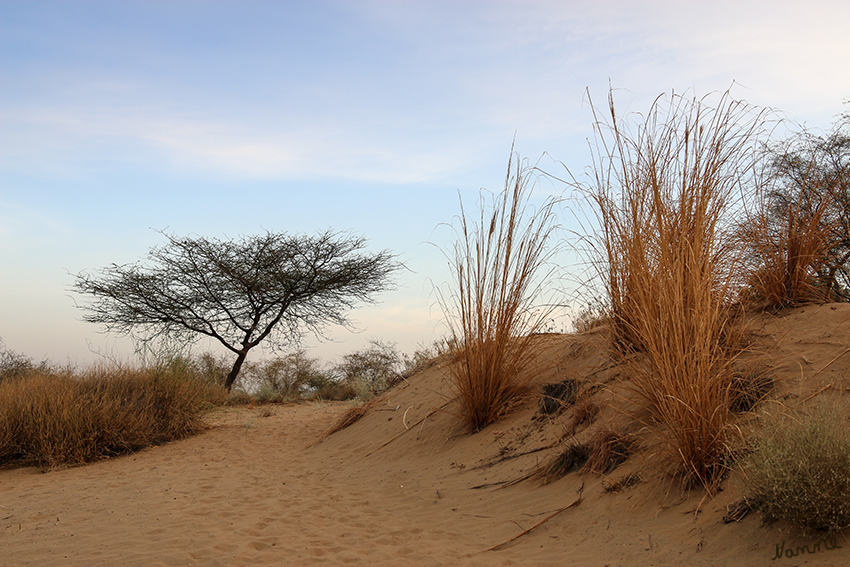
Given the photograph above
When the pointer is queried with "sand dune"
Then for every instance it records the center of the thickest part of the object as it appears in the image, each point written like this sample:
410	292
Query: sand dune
406	486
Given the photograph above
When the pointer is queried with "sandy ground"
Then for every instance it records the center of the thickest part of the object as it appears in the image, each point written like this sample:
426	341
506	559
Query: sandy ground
406	486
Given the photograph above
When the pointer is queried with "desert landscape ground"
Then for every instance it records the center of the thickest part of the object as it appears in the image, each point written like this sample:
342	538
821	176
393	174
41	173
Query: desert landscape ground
408	485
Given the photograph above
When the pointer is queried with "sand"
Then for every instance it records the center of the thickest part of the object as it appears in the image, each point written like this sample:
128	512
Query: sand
406	485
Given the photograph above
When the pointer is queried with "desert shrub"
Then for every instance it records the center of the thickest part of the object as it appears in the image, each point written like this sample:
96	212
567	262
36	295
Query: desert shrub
284	378
497	267
335	390
423	357
668	262
799	469
52	420
211	368
798	235
591	316
372	370
790	244
14	365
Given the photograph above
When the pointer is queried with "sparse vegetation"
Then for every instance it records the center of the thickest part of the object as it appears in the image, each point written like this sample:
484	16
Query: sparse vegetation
351	416
492	311
285	378
606	450
584	412
572	458
799	469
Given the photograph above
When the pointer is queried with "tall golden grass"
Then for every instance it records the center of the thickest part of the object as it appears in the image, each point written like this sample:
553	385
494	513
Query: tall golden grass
499	267
662	194
49	419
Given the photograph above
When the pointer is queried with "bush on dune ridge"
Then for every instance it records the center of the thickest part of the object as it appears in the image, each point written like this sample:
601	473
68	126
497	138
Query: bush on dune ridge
797	238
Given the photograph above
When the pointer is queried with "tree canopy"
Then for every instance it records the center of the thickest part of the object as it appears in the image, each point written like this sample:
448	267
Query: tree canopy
273	287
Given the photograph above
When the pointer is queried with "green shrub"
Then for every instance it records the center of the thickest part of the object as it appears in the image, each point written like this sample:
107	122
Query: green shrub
799	470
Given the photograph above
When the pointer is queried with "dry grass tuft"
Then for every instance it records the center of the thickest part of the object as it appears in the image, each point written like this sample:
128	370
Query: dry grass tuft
492	314
584	412
351	416
607	449
628	481
557	396
570	459
669	265
53	420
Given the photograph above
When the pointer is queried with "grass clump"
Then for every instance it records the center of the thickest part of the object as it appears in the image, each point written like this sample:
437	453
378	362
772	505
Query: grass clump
492	312
668	261
570	459
62	419
607	449
799	470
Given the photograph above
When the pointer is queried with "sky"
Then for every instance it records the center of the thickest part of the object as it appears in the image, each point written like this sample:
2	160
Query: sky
121	119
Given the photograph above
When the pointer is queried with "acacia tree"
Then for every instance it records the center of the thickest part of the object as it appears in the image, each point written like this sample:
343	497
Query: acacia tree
273	287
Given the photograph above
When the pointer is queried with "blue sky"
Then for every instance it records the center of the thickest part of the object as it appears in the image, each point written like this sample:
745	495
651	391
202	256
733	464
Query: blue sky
121	118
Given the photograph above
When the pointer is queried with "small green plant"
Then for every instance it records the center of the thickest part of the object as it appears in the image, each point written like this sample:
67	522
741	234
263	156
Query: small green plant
799	469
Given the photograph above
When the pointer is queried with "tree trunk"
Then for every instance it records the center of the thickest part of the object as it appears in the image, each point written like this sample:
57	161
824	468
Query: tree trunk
234	372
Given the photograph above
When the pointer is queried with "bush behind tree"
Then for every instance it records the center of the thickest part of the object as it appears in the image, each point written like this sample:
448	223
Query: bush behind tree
797	234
